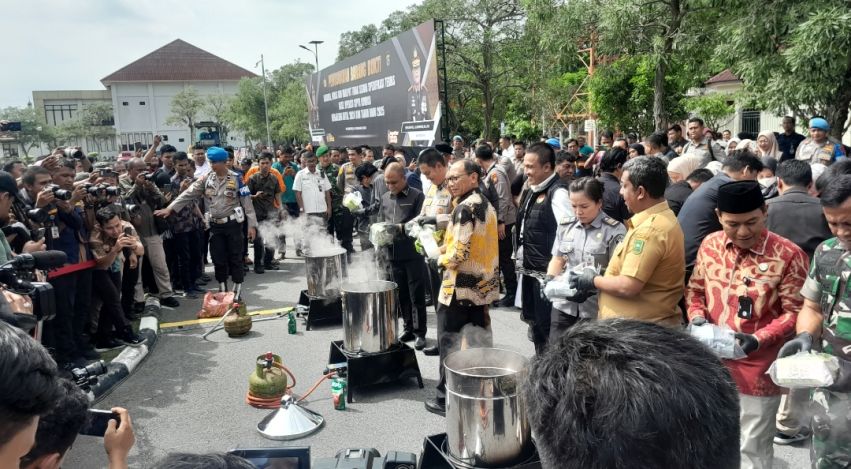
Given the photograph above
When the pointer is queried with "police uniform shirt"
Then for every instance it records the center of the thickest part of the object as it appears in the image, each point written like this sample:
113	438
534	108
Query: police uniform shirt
576	242
346	180
221	194
438	204
652	252
498	179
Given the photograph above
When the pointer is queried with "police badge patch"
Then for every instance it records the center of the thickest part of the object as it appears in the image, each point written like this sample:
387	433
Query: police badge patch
638	246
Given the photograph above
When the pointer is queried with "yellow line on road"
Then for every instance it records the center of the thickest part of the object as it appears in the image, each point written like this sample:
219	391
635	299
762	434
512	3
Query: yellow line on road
195	322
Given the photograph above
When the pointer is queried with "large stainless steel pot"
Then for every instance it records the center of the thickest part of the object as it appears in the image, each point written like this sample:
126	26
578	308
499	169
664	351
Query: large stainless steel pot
486	423
325	272
370	312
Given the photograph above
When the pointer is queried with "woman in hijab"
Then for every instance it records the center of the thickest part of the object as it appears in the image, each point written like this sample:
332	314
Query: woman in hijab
732	145
679	168
766	145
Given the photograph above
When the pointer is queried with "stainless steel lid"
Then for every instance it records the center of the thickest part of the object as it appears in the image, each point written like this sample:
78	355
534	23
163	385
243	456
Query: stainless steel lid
290	422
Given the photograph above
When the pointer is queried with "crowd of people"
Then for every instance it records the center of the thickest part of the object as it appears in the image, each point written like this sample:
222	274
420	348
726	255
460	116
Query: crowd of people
680	228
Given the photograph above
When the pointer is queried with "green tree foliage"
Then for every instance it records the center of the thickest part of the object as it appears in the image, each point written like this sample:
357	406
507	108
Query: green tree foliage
93	123
793	57
716	109
216	107
185	107
287	98
34	130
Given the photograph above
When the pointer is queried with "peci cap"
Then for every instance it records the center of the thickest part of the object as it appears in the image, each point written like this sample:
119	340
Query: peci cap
819	123
740	197
8	184
217	155
444	148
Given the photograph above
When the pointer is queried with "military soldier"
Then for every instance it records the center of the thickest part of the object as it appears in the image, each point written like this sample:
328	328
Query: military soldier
826	315
589	236
437	209
228	204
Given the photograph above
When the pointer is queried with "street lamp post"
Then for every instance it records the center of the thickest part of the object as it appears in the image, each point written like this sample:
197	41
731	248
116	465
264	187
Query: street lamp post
265	99
315	53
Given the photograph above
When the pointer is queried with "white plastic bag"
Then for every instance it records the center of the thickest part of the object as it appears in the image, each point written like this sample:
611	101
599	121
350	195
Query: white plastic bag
722	340
426	238
559	289
379	235
353	201
805	370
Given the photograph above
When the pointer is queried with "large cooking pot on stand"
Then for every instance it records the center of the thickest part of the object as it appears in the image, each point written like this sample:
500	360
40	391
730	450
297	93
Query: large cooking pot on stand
370	313
486	424
326	270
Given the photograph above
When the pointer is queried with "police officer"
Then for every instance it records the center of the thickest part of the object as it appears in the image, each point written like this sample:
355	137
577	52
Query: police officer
436	211
228	203
588	236
826	315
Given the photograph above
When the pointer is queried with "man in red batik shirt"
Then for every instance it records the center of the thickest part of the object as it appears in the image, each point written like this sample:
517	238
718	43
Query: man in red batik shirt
749	279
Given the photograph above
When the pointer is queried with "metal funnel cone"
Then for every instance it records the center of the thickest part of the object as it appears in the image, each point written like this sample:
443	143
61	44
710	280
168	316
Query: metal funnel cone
290	422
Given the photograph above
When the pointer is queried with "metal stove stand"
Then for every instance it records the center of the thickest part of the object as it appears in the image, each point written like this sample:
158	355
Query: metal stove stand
400	362
436	455
320	310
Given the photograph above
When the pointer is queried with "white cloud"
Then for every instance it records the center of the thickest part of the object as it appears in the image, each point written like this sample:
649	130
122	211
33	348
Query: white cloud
55	45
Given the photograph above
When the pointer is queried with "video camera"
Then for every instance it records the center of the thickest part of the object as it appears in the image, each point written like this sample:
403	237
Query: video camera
17	274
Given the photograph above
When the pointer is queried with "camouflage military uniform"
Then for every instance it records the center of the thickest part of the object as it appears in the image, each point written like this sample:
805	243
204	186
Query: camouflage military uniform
828	285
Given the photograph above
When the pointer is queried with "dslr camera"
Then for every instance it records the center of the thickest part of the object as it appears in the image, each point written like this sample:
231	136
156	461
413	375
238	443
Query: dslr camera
367	458
59	193
75	153
102	190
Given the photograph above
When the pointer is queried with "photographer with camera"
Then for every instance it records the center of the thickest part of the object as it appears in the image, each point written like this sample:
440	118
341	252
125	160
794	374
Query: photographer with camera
28	389
161	167
58	430
112	240
65	334
140	190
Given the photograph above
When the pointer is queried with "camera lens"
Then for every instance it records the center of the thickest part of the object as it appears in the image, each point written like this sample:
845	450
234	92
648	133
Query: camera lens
38	215
61	194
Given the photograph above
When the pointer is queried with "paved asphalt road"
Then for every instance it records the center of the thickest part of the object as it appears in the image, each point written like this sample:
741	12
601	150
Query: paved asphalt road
189	395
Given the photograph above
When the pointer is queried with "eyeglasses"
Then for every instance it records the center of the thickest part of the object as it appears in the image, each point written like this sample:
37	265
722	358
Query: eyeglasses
454	179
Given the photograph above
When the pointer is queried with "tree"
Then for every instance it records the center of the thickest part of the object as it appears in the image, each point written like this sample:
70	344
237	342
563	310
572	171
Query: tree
34	130
716	109
794	57
353	42
217	107
675	37
185	106
246	113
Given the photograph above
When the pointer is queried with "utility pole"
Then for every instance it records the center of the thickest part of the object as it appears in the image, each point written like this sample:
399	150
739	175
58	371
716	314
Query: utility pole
265	99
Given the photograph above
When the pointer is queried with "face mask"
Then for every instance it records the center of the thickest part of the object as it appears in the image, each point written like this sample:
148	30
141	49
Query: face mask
766	182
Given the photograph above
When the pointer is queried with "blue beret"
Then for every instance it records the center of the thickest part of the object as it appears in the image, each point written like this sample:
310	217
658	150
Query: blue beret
217	155
553	142
819	123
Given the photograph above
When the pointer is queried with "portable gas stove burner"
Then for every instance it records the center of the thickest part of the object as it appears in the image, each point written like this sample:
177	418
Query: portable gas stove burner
369	368
436	455
318	310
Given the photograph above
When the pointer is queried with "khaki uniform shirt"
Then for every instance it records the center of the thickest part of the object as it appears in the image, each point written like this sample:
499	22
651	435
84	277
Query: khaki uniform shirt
221	195
652	251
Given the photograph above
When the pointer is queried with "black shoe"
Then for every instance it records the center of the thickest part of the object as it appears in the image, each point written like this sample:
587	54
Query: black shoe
89	354
197	291
138	306
105	345
432	351
407	336
507	301
171	302
781	438
428	301
129	337
206	278
420	344
436	405
270	267
259	270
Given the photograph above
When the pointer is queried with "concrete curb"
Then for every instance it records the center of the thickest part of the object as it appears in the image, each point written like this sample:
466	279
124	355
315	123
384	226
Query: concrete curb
129	359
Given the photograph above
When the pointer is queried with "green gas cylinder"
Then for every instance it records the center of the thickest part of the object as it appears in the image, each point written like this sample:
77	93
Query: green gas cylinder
267	381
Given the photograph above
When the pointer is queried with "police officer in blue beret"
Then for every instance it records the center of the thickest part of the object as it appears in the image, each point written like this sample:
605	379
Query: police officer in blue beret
228	203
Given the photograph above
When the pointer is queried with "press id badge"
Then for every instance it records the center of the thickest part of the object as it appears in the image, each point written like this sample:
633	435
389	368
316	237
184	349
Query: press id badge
240	215
54	232
745	307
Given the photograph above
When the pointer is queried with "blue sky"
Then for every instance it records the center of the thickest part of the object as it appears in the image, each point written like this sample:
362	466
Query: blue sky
57	45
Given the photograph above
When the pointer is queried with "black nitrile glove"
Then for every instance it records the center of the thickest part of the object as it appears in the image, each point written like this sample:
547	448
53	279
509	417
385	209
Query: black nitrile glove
803	342
427	221
748	342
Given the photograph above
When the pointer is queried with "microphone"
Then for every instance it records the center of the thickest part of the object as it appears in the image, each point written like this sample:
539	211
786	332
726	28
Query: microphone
41	260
